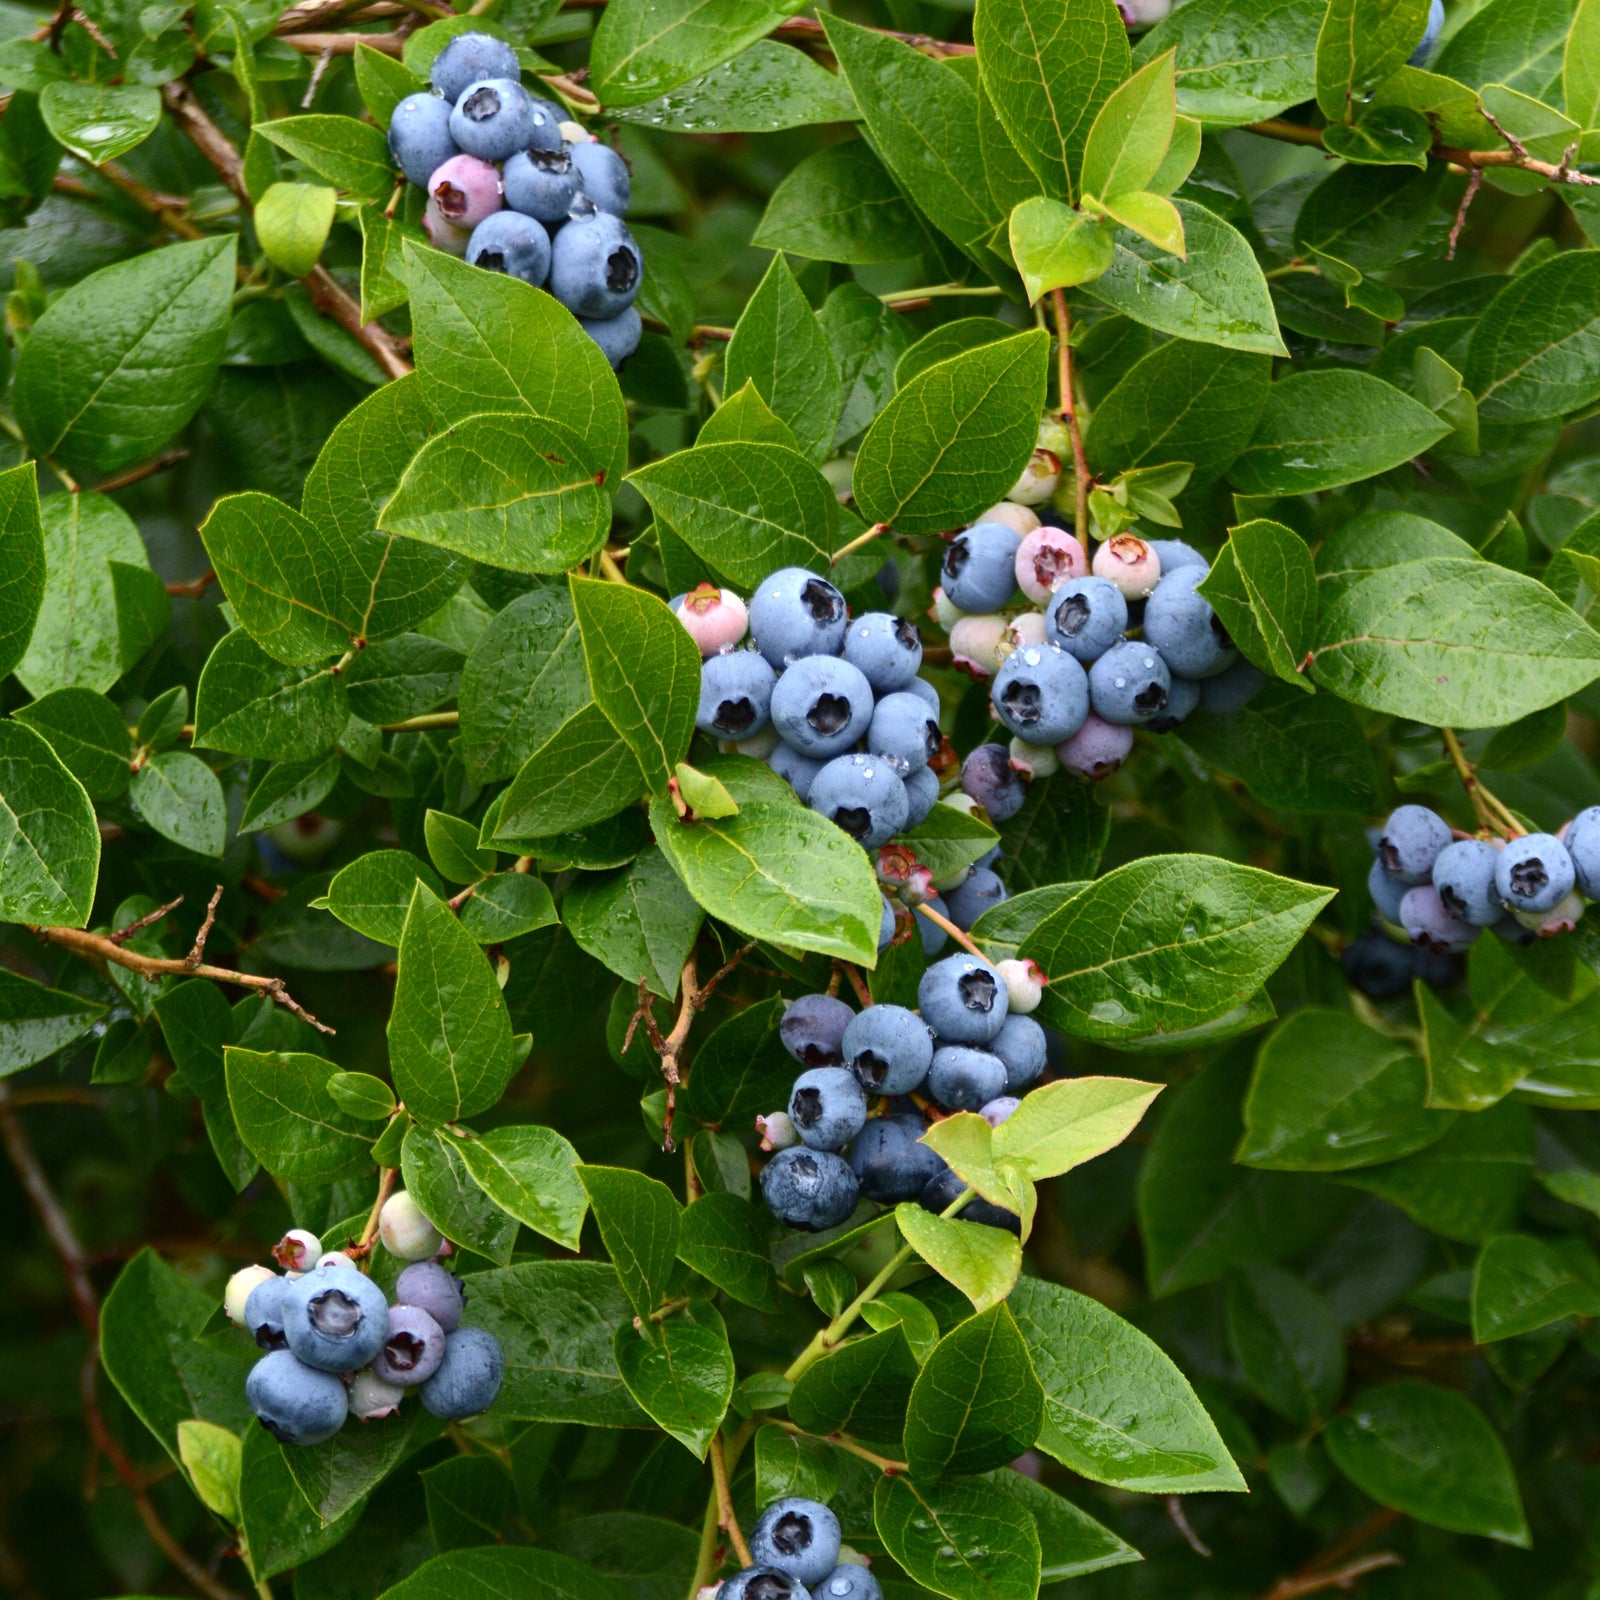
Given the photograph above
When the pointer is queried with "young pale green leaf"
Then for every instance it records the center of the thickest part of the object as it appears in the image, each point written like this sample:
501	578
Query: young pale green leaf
1167	943
721	1239
964	1141
982	1262
1263	588
36	1021
1287	1342
450	1045
98	122
1522	1284
289	1121
640	1225
954	439
1153	217
1431	1454
366	1098
349	154
1534	350
582	774
181	798
213	1458
1062	1125
839	204
292	221
531	1173
639	922
642	49
22	562
1360	44
684	1378
969	1540
435	1173
251	705
1056	247
1132	132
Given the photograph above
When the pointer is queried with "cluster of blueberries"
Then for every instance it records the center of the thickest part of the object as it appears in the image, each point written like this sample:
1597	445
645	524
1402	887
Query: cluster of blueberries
798	1555
1099	648
970	1046
515	189
335	1346
1444	890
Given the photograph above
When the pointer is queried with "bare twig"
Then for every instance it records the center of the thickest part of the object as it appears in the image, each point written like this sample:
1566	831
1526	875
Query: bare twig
805	30
1069	414
363	1245
193	588
887	1465
941	921
693	999
316	80
1180	1520
344	44
1491	811
1328	1569
859	542
160	914
726	1520
146	469
197	952
1474	183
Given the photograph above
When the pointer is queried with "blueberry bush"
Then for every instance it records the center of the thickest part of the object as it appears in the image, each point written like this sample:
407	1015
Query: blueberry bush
796	800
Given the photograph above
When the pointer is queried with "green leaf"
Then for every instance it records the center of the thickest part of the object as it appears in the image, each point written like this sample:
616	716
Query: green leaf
251	705
1534	349
292	222
867	338
87	732
740	1069
531	1173
1382	136
289	1121
507	905
1357	221
450	1045
1072	1544
745	507
954	439
1522	1284
641	49
373	893
976	1403
1116	1408
721	1239
488	342
982	1262
1361	43
764	88
453	848
367	1098
639	1225
383	82
839	204
196	1024
948	839
494	1571
1056	247
351	155
1048	68
1509	43
639	922
1263	588
1580	71
582	774
778	872
213	1458
1453	642
1287	1342
969	1540
36	1021
280	1527
383	245
1224	77
1331	1093
402	678
22	562
1131	133
435	1170
1431	1454
337	1476
1166	943
684	1379
122	359
1217	295
97	122
862	1388
49	841
792	1464
1061	1125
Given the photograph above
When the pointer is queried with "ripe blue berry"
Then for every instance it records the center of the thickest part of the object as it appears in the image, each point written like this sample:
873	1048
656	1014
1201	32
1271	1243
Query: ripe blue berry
1430	36
468	1378
263	1313
797	1537
862	795
1000	1110
1582	840
419	136
922	795
761	1583
962	1077
1174	555
412	1349
963	1000
812	1030
887	649
827	1107
335	1318
1386	892
977	893
493	119
1411	841
849	1582
979	568
1232	690
1086	616
604	175
1041	694
595	266
1427	921
890	1161
1020	1045
434	1289
1096	750
618	336
903	731
809	1189
295	1403
821	705
735	695
1463	873
1129	684
886	928
1534	873
511	243
989	778
1183	697
795	613
542	183
1378	967
942	1192
888	1048
468	58
926	692
798	771
1179	622
934	938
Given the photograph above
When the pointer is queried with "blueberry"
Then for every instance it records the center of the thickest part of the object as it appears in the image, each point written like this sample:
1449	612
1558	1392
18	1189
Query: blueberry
542	183
890	1161
962	1077
1179	622
812	1030
468	1378
886	927
1044	561
412	1349
761	1583
465	190
1582	839
979	568
979	892
798	771
1427	921
295	1403
511	243
903	732
1097	749
925	692
494	118
1232	690
821	705
1086	616
888	1048
1020	1044
863	796
942	1192
922	795
849	1582
431	1288
595	266
934	938
335	1318
714	618
1439	969
827	1107
1533	873
419	136
1174	555
263	1313
1000	1110
468	58
1378	967
1463	873
1128	564
1386	892
795	613
1411	841
618	336
1183	697
1041	694
887	650
604	175
797	1537
809	1189
1130	684
963	1000
405	1231
989	778
735	695
1430	36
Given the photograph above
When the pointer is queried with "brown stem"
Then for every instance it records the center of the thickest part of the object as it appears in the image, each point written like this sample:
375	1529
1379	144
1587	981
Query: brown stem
192	588
1345	1577
74	1264
858	983
805	29
1324	1570
857	543
197	951
1474	183
160	914
694	997
726	1520
1069	413
1180	1520
885	1464
146	469
941	921
344	44
1492	813
363	1245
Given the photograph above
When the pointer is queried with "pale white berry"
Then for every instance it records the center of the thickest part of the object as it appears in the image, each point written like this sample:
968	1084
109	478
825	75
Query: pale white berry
372	1398
1020	519
777	1131
1024	981
297	1251
238	1291
1034	760
405	1231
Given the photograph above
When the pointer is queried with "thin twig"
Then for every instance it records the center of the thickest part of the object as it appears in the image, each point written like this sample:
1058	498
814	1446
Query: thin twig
806	30
857	543
858	983
1180	1520
726	1519
363	1245
1069	414
941	921
192	588
1474	183
1492	813
1325	1570
316	80
160	914
1346	1577
887	1465
147	469
197	952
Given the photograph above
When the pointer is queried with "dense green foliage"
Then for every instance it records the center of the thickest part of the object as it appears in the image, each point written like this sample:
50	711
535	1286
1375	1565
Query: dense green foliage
339	686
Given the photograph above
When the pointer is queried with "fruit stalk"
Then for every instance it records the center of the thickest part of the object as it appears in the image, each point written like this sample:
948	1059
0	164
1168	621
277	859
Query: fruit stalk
1069	415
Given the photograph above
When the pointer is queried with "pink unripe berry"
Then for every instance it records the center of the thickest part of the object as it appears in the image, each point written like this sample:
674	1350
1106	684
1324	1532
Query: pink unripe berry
1024	981
297	1250
444	235
466	190
576	133
1144	13
1097	749
1129	564
1020	519
1039	479
776	1130
1046	558
716	618
975	644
